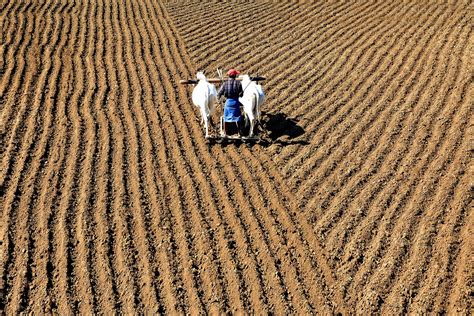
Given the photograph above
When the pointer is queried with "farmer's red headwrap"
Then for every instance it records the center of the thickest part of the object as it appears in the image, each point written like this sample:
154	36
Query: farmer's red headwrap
233	72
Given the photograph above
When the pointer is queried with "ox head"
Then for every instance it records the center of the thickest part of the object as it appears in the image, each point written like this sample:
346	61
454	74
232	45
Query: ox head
200	76
245	80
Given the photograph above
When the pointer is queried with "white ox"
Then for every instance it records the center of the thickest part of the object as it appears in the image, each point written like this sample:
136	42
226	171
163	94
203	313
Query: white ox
205	97
252	100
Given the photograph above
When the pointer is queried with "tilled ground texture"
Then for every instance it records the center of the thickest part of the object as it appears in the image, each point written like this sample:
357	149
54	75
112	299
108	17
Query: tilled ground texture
359	200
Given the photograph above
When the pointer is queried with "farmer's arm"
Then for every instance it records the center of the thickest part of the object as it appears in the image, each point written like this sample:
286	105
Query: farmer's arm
221	91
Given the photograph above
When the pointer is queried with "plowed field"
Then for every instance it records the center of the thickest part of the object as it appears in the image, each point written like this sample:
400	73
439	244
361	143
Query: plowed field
358	200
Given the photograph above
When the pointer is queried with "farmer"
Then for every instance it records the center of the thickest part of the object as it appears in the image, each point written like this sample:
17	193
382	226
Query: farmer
232	90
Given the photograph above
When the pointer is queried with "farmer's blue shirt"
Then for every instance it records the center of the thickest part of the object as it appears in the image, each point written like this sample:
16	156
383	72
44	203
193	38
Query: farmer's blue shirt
231	89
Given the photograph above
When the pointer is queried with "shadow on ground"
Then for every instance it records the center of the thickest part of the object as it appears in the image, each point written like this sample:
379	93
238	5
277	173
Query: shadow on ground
278	125
280	129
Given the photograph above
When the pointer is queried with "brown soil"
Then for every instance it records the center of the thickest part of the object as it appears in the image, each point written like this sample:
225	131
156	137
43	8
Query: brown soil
358	200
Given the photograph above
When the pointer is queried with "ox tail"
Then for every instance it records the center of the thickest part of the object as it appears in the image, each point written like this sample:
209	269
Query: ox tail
208	99
257	105
253	114
255	109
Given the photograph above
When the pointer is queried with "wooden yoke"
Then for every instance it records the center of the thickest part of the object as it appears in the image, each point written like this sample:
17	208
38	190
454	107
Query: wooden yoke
218	80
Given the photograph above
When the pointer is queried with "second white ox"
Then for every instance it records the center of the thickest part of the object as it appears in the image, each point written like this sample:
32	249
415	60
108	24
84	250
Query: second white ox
252	100
205	97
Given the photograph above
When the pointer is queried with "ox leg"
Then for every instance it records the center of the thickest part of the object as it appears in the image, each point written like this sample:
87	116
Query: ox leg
211	124
206	126
222	127
251	128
